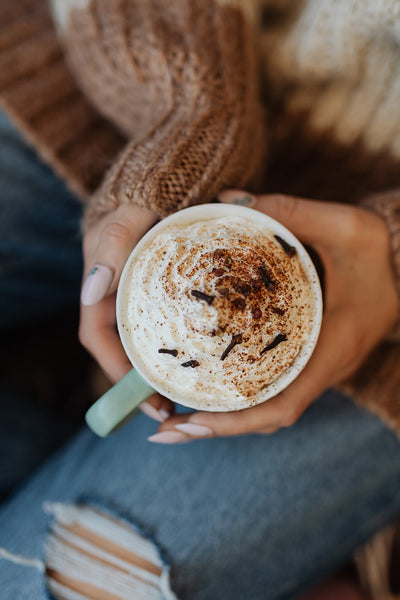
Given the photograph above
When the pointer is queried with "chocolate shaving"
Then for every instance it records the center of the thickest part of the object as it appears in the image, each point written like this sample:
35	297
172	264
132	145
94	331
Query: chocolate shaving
269	284
236	339
290	250
191	363
167	351
281	337
224	291
202	296
239	303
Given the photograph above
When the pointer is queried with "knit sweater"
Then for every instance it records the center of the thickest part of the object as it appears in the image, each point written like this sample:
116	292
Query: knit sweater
164	104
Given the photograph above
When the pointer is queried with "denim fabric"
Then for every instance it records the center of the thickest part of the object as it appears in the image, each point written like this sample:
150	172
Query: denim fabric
247	518
40	247
40	271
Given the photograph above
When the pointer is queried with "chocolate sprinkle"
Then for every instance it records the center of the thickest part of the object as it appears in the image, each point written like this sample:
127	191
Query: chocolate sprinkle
218	272
290	250
167	351
281	337
269	284
191	363
202	296
236	339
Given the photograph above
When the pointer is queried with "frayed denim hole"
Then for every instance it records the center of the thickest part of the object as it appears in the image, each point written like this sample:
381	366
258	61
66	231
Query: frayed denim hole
83	565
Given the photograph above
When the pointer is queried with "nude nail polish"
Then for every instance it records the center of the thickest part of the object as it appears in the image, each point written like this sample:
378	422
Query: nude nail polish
149	410
168	437
195	430
237	197
96	285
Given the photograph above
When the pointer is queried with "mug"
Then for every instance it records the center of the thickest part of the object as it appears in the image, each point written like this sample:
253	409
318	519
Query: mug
119	404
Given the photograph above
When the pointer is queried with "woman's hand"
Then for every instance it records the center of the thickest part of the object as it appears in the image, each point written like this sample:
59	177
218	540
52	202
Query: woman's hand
361	307
106	247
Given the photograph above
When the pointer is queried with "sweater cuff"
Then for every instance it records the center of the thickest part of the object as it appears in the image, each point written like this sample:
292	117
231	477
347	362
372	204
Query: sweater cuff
183	164
182	84
387	206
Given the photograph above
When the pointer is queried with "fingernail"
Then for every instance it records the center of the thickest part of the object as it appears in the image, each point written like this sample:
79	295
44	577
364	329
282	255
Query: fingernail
168	437
193	429
237	197
96	285
149	410
164	413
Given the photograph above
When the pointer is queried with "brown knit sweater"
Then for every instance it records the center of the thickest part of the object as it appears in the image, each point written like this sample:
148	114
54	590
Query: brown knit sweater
164	104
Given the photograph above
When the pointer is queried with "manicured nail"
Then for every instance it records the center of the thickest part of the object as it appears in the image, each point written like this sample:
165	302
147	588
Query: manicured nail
164	413
193	429
96	285
149	410
168	437
237	197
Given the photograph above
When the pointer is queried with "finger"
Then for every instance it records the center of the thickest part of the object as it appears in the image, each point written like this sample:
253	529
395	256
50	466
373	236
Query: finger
98	334
312	221
157	407
115	242
323	369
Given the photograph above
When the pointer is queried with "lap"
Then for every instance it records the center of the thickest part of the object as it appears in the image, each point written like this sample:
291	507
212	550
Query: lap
251	517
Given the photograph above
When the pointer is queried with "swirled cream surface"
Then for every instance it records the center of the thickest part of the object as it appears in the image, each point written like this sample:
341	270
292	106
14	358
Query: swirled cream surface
215	313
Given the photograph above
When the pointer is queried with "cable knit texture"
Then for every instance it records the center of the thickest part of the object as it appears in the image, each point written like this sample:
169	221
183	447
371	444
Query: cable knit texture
179	79
160	106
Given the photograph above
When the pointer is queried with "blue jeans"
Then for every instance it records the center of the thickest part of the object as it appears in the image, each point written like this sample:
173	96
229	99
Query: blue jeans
40	271
247	518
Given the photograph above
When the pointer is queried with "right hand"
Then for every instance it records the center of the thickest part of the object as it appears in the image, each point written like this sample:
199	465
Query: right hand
106	247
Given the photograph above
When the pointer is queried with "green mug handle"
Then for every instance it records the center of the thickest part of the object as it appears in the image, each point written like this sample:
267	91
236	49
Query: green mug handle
120	404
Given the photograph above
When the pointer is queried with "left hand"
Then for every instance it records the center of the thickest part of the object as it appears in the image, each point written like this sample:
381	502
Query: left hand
360	308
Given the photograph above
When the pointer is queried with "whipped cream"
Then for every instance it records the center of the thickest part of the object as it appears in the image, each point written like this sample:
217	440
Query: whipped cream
214	313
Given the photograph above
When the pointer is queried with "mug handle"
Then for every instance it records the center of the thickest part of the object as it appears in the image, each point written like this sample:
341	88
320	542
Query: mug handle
119	404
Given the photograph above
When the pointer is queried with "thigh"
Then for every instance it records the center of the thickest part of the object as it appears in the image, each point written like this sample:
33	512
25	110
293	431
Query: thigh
40	266
40	271
255	517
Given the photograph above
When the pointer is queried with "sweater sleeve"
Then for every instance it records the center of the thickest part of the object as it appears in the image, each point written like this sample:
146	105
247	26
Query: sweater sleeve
387	206
180	81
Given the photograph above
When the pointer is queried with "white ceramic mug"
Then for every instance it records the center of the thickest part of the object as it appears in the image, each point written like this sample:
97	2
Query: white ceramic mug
121	402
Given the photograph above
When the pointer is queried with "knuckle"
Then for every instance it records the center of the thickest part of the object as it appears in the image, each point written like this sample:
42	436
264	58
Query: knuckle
290	417
86	244
116	232
353	225
286	207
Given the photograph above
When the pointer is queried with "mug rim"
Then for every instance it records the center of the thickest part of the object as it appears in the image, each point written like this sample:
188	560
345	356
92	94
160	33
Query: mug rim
205	212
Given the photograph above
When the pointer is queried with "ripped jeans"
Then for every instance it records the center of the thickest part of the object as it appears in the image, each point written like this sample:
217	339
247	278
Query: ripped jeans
247	518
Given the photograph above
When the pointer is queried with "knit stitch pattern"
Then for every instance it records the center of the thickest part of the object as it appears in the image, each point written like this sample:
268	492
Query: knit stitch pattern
180	81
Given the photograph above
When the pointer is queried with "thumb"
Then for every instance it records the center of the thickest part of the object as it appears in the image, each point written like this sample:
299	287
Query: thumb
107	249
309	220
